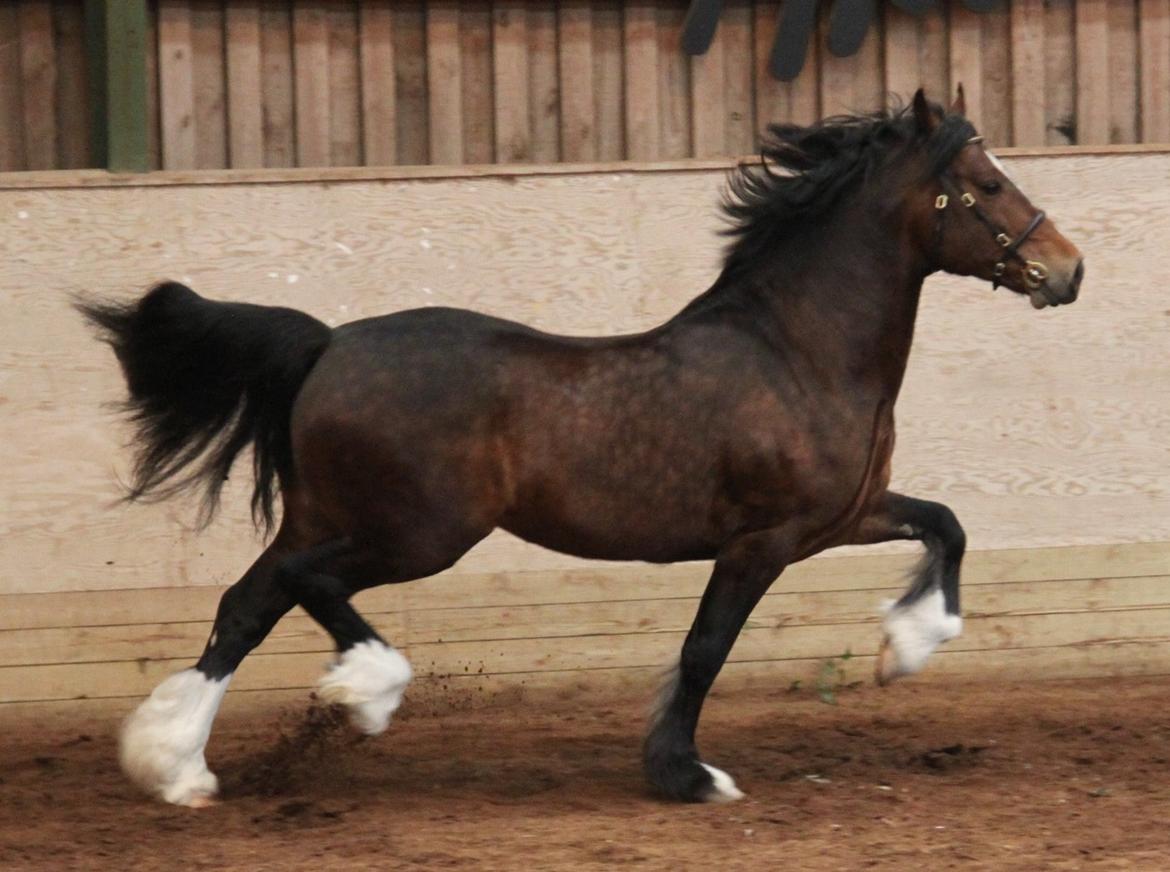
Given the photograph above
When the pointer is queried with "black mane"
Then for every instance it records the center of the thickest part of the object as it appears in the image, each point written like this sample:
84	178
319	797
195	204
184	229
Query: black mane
804	171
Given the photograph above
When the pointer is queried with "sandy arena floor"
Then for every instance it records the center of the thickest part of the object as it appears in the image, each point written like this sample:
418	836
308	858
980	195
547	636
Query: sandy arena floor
1069	775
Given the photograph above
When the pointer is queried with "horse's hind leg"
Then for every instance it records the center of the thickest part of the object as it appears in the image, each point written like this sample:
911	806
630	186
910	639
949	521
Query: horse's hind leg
162	742
743	573
928	613
369	676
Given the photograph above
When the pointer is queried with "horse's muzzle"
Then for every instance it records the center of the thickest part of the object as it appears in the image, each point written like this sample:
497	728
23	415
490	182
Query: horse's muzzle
1055	290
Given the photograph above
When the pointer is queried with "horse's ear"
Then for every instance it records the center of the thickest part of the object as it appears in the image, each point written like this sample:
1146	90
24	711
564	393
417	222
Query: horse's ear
923	117
959	107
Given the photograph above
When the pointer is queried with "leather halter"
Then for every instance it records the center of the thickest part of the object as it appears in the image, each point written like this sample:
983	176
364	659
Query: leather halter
1035	272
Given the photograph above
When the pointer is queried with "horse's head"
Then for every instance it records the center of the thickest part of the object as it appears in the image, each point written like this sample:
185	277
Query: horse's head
974	221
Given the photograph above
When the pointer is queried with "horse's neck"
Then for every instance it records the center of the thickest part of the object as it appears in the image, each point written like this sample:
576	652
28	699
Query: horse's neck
843	299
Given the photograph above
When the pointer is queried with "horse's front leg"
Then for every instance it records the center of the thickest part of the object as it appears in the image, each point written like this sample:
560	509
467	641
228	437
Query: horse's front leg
744	570
927	614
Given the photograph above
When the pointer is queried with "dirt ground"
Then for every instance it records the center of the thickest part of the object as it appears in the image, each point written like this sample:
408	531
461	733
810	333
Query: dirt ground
1069	775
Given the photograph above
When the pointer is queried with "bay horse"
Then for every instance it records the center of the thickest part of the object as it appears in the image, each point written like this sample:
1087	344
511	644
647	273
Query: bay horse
754	428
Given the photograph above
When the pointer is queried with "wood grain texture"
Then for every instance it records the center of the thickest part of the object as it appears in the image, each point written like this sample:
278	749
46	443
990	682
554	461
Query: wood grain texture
72	102
410	88
513	125
310	31
38	84
345	100
1038	429
544	99
1028	79
640	41
376	48
1092	56
245	101
444	82
578	133
1123	72
1060	72
675	85
207	45
276	82
966	60
479	141
1154	41
609	80
176	71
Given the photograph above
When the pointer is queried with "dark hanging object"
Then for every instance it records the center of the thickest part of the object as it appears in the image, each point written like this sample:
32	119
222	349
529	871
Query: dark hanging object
798	19
914	7
848	24
699	27
849	21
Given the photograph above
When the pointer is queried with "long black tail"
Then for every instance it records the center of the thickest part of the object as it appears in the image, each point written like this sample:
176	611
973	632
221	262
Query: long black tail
206	380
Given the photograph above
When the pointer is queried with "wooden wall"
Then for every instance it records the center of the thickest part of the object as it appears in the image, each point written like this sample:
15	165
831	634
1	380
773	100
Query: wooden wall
1046	432
280	83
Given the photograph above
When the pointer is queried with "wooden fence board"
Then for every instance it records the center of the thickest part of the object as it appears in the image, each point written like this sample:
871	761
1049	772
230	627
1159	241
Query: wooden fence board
1028	80
1154	41
578	133
310	30
345	101
640	38
376	47
444	82
38	84
245	102
585	80
176	70
513	126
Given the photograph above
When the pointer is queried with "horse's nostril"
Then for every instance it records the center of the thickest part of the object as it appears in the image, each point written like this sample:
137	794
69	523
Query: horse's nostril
1074	286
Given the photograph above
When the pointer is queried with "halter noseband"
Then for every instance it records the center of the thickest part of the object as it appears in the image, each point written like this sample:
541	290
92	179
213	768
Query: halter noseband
1035	272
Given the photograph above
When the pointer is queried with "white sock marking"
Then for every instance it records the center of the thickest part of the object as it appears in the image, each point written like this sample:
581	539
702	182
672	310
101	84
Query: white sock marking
916	630
724	789
162	742
369	679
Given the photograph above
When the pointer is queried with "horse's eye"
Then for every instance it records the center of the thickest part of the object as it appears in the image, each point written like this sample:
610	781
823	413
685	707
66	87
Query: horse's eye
991	187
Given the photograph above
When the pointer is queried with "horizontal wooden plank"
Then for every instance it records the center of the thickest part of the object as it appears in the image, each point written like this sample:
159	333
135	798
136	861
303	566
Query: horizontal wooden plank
828	609
90	178
879	573
298	650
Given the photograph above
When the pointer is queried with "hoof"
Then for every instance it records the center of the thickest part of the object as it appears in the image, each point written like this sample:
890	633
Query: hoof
161	744
913	631
685	778
723	787
369	680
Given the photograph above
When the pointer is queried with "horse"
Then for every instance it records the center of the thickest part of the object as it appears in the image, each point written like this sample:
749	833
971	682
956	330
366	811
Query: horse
754	429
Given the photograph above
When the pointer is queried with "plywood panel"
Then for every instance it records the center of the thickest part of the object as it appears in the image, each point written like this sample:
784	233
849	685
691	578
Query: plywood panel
1067	445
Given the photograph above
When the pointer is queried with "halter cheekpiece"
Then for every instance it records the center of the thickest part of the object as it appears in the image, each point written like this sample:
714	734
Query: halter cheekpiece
1035	272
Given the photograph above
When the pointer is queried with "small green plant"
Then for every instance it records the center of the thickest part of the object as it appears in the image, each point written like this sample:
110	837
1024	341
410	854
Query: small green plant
831	678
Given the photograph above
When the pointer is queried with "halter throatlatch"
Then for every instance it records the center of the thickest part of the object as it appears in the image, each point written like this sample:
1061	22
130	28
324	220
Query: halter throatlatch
1035	272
